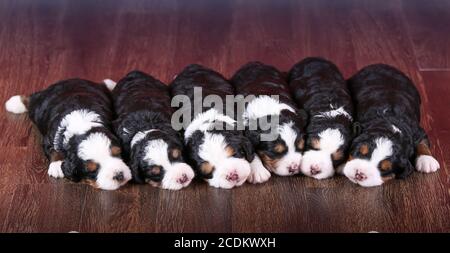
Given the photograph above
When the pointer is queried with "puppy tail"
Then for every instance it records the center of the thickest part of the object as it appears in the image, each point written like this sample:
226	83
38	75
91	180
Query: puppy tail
110	84
17	104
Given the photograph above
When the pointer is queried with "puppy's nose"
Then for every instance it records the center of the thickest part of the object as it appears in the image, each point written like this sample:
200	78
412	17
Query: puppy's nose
233	177
183	179
315	169
360	176
119	176
293	168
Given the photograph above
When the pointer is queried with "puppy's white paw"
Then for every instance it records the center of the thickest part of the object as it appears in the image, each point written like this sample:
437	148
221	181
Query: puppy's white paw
427	164
258	173
54	170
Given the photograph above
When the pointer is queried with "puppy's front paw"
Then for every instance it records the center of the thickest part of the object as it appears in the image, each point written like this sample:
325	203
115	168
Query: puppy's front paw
258	175
427	164
54	170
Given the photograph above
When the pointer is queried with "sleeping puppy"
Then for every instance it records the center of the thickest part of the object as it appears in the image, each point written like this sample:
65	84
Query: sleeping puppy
74	117
320	89
220	154
388	110
280	155
152	147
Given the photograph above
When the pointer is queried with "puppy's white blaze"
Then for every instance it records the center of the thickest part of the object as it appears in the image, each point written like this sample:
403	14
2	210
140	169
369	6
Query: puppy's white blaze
383	149
54	169
213	151
292	157
156	152
331	140
334	113
395	129
263	106
140	135
205	121
110	84
427	164
96	147
258	173
76	123
15	105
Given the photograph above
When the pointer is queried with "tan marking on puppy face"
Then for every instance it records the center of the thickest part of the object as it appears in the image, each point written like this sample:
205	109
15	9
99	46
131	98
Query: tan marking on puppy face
115	151
268	162
56	156
337	155
155	170
388	177
315	143
423	149
350	157
279	148
385	165
229	151
90	182
206	168
92	166
176	153
364	149
301	144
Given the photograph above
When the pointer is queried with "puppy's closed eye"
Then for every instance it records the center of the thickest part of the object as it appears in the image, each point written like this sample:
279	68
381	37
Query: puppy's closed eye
279	148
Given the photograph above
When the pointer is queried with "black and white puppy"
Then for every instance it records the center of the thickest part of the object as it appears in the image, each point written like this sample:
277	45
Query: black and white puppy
153	149
388	109
281	155
321	90
220	153
74	117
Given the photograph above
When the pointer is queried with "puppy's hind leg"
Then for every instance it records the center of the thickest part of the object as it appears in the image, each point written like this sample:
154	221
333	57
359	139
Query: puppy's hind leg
425	162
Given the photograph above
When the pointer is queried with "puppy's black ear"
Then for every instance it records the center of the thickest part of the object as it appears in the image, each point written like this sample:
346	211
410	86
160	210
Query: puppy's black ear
249	151
134	167
253	136
303	115
404	167
70	171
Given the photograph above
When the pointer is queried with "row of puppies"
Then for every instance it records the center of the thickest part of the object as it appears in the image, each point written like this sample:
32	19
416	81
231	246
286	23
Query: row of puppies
76	120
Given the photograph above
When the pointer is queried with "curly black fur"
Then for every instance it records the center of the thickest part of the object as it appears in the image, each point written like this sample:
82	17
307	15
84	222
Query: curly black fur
316	84
212	83
143	103
383	97
48	107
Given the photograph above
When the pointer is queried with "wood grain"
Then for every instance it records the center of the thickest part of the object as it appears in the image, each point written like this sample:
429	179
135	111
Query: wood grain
43	41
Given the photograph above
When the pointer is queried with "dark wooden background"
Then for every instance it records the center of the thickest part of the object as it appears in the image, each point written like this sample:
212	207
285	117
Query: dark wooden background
42	41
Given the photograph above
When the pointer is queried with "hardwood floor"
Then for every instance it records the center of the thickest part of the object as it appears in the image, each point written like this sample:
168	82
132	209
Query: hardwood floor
43	41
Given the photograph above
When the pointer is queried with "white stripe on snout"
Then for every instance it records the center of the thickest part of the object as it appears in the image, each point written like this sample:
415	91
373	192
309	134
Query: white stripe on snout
333	113
140	135
383	149
263	106
205	121
330	140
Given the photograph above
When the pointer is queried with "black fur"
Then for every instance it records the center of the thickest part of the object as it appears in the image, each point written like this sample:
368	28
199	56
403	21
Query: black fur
143	103
316	84
48	107
212	83
384	96
256	78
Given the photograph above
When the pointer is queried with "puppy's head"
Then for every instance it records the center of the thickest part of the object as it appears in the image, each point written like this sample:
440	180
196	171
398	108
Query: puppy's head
156	158
325	151
376	158
95	158
220	156
282	155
